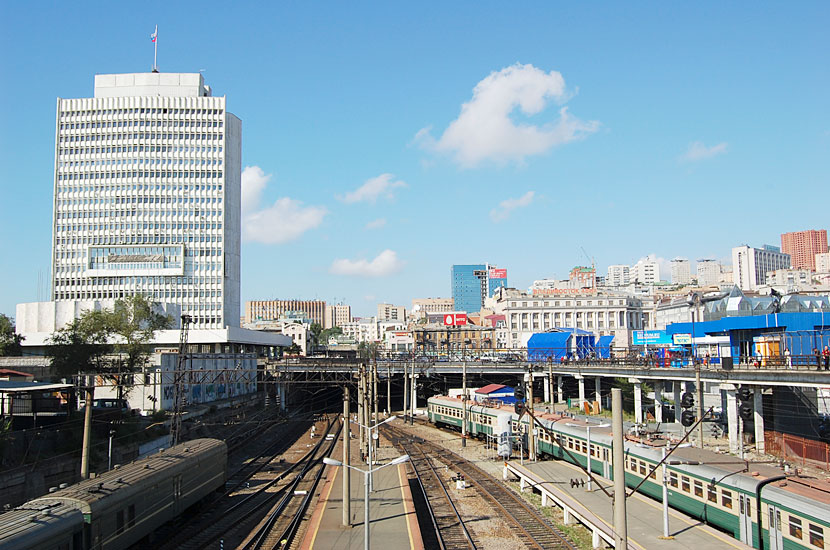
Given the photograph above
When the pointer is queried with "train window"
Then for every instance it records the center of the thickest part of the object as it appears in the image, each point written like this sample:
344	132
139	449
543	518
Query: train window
131	516
726	499
584	448
816	536
643	470
712	494
653	474
698	489
685	484
795	528
119	522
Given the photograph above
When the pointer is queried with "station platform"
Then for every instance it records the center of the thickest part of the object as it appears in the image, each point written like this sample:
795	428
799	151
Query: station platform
394	523
645	516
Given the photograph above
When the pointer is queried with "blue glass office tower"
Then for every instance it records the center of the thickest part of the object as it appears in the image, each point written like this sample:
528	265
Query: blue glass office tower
472	283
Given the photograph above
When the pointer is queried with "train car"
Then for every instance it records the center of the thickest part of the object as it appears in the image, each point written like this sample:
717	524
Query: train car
482	420
122	506
42	526
715	488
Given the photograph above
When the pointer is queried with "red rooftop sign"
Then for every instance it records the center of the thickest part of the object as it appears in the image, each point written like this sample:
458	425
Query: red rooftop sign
455	319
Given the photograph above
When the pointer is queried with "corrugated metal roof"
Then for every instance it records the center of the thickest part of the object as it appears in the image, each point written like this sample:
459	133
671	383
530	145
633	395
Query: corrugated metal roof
490	388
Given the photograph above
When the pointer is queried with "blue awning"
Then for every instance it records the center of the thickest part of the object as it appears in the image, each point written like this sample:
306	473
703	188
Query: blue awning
548	346
604	347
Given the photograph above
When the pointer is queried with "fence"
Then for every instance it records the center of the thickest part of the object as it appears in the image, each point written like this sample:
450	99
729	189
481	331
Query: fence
792	447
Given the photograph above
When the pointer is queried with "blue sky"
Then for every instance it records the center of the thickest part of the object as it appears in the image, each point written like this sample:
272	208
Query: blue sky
386	142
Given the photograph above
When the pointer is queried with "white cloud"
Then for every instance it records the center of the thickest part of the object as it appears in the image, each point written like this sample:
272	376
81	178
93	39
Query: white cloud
698	151
384	184
386	263
485	130
376	224
285	220
506	207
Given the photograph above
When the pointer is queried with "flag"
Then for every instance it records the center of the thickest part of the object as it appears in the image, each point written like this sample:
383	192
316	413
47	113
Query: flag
154	35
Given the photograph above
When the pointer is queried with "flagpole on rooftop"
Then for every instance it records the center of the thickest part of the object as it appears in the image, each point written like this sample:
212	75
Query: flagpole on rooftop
155	49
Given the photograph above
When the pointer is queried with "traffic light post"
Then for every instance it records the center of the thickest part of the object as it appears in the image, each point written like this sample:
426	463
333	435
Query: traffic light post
746	411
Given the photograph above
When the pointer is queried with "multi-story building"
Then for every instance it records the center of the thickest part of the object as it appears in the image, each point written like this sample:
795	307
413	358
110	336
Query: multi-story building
581	280
337	315
147	196
389	312
266	310
823	262
791	279
750	265
473	283
681	271
708	272
802	246
646	271
424	306
618	275
603	314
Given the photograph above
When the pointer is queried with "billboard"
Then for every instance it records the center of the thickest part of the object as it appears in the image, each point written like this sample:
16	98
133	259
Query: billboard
650	337
498	273
455	319
682	339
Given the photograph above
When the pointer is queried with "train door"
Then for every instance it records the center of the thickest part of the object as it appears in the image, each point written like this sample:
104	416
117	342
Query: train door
745	519
605	462
776	536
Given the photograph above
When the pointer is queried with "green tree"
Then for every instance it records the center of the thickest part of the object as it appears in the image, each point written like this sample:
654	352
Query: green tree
111	343
9	339
324	336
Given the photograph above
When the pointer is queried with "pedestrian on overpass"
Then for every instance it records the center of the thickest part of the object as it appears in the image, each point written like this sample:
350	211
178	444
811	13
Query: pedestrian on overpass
826	354
817	355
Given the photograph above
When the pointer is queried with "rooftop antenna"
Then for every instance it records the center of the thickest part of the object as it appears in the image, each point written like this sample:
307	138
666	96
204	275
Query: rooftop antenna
154	38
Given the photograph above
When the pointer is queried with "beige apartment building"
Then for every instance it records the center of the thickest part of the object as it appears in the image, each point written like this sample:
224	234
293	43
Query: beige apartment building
266	310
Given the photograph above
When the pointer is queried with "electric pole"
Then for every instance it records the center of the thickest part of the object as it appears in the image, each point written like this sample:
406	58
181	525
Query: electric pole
618	451
347	497
531	436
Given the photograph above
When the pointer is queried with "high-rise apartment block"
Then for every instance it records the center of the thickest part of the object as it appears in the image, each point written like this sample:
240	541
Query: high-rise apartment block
147	196
823	263
681	271
337	315
389	312
750	265
646	271
708	272
472	283
423	306
618	275
802	246
270	310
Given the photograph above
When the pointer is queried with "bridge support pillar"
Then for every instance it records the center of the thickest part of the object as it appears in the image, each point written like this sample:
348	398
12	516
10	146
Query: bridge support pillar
547	389
544	499
560	391
566	516
581	381
676	387
598	392
658	401
760	445
638	399
596	542
732	417
281	390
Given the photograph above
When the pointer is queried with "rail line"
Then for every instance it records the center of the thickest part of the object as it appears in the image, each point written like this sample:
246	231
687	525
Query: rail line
227	520
531	527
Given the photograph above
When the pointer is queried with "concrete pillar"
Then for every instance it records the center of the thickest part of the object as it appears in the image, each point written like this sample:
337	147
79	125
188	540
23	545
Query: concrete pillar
658	402
732	417
544	499
595	540
413	398
581	390
560	391
760	445
676	387
566	516
547	390
598	391
638	399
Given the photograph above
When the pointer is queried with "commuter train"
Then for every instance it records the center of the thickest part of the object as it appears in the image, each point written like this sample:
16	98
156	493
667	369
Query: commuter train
718	489
117	509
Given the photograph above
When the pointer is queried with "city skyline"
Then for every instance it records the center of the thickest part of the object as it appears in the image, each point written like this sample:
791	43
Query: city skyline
369	167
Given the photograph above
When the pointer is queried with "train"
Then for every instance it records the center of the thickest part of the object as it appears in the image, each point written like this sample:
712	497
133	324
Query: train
718	489
117	509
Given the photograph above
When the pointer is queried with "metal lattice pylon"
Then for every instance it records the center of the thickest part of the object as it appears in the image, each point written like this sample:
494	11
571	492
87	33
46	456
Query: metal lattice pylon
178	382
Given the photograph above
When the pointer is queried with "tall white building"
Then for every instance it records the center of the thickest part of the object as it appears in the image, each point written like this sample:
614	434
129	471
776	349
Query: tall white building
646	271
389	312
708	272
147	196
681	271
618	275
750	265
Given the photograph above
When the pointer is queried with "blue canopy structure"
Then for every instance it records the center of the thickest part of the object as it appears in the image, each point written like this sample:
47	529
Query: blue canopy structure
604	347
546	346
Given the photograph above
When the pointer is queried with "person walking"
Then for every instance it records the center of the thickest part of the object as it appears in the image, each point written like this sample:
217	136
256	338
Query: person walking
788	358
826	354
817	355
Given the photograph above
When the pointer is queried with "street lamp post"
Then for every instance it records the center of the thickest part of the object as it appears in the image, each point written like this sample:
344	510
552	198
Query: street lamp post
371	437
464	394
588	457
366	477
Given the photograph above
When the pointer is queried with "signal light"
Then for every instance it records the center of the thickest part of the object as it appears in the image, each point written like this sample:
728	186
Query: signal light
519	408
746	411
687	401
687	418
519	392
744	394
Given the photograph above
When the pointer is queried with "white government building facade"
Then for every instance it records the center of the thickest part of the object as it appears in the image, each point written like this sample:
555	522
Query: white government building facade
147	200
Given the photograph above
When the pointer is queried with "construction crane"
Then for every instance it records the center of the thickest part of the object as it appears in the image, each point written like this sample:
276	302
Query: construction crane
587	257
178	382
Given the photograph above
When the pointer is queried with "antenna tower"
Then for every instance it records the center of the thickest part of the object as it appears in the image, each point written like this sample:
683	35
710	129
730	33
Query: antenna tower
178	382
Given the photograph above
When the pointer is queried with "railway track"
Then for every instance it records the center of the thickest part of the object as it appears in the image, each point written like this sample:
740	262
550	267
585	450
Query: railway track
233	515
530	526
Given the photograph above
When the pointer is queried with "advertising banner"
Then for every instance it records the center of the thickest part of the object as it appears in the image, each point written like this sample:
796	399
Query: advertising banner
455	319
498	274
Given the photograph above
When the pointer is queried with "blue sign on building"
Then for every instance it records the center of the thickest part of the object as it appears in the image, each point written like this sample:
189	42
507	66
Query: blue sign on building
651	338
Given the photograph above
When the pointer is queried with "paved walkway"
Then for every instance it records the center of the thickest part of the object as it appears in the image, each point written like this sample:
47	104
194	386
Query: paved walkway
645	516
394	523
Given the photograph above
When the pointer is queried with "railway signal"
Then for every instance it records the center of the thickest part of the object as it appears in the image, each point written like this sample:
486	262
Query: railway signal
746	408
687	417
